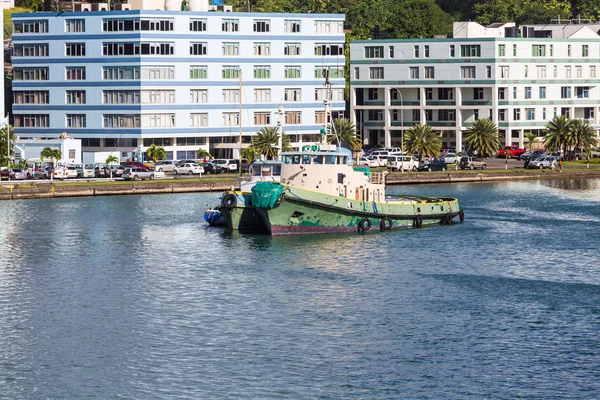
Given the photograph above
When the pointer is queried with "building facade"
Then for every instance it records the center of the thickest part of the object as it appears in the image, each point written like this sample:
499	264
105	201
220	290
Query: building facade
520	78
124	80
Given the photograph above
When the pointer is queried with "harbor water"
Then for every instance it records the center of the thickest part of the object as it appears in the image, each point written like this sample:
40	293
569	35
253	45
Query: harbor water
134	297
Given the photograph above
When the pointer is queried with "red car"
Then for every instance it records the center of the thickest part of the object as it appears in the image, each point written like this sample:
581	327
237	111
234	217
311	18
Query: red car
515	152
136	164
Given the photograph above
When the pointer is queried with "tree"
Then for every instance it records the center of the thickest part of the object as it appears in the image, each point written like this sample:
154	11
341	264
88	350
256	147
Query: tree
52	154
531	139
109	160
250	154
422	139
420	18
344	133
581	136
203	153
266	141
7	144
482	136
558	133
156	153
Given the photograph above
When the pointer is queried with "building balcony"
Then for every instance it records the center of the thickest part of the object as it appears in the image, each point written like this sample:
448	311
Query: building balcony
441	102
477	103
442	123
406	103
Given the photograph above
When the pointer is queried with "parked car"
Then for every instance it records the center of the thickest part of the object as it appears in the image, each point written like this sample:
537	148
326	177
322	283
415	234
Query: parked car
363	161
165	166
72	172
450	158
211	168
245	165
101	171
404	163
135	164
188	169
137	173
472	163
226	164
17	174
433	165
117	170
542	162
515	152
373	161
4	173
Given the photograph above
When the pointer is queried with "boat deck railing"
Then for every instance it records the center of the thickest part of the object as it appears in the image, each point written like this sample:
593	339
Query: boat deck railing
378	177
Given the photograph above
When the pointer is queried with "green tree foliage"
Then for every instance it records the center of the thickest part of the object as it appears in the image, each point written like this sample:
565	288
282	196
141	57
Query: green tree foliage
482	136
531	139
589	9
581	136
345	131
50	153
7	142
419	18
156	153
266	141
521	11
422	139
558	133
111	160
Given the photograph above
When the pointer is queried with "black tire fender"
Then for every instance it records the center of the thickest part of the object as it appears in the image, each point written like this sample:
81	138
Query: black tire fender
461	216
229	200
418	221
385	224
364	225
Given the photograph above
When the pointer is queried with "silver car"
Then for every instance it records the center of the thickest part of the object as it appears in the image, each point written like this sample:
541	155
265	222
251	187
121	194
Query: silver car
165	166
137	174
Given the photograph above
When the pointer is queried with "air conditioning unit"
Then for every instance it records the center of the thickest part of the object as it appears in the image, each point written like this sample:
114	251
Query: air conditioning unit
83	7
100	7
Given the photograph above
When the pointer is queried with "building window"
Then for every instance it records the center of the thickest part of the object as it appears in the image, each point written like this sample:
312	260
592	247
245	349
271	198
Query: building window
373	51
356	73
588	113
74	25
292	71
262	95
198	25
514	50
198	49
578	71
514	93
75	97
501	93
120	25
541	71
291	26
543	114
153	72
291	49
197	120
121	97
565	92
230	25
416	51
428	94
332	94
120	73
32	121
488	71
156	25
568	50
31	74
542	92
526	71
501	50
292	94
75	73
592	71
198	72
516	114
198	95
391	52
231	118
231	95
445	94
467	72
376	73
582	92
585	50
555	71
262	72
293	117
470	50
262	118
320	117
452	51
76	121
375	115
336	49
333	71
329	27
567	71
477	93
504	71
230	48
530	114
36	26
413	72
261	25
446	115
373	94
501	114
230	72
262	49
426	48
428	115
429	73
528	92
551	50
538	50
35	97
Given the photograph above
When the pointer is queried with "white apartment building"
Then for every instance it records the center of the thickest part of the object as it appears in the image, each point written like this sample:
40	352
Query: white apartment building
125	79
520	77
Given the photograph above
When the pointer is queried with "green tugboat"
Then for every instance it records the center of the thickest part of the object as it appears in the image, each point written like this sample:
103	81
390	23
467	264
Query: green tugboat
322	192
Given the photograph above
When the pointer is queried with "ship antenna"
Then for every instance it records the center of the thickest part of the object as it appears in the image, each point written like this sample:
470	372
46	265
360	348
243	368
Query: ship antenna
328	119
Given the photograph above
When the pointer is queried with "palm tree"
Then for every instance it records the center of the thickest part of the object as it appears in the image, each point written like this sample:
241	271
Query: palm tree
482	136
203	154
250	154
581	136
52	154
156	153
558	133
109	160
344	132
422	139
531	139
7	143
266	141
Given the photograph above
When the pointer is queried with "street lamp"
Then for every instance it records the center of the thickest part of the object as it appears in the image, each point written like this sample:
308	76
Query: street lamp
401	128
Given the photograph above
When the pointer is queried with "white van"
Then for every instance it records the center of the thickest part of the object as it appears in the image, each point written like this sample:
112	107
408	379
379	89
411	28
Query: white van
404	163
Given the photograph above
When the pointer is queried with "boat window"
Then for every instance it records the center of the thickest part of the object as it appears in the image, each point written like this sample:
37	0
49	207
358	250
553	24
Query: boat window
276	170
295	159
266	171
329	159
317	160
256	171
287	160
306	159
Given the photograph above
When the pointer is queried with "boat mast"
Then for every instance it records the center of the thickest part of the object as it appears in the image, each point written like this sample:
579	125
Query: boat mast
326	129
240	121
279	132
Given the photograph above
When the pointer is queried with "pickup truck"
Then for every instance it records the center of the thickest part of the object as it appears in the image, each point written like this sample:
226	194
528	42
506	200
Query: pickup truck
515	152
582	155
